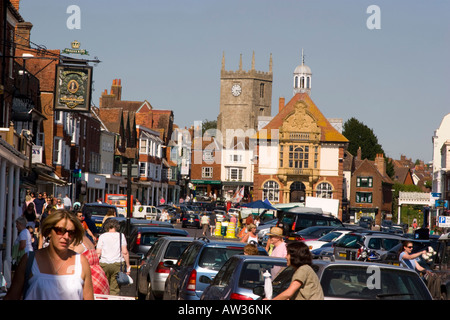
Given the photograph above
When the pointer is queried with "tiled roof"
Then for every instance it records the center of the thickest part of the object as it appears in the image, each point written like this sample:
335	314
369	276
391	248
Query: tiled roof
328	132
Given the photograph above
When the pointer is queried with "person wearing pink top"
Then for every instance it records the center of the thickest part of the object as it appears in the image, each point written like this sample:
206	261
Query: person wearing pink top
279	250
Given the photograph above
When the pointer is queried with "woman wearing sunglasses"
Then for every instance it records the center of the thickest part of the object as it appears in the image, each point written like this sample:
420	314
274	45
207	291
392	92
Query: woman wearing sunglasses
55	272
410	259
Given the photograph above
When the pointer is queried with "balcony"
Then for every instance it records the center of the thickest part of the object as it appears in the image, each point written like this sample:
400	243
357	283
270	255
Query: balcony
299	136
298	172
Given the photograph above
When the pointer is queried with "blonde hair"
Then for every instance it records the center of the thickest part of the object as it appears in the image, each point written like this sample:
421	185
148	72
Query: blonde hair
251	226
58	215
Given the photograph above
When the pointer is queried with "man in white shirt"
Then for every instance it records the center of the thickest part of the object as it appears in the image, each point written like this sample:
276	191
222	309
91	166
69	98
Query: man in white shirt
67	202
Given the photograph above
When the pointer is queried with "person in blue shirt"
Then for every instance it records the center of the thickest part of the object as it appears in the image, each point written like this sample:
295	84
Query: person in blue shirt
410	259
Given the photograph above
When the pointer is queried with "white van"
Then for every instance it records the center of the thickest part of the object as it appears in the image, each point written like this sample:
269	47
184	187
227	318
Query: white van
145	212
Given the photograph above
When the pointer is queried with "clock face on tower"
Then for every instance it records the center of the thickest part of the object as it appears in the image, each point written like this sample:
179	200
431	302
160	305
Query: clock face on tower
236	90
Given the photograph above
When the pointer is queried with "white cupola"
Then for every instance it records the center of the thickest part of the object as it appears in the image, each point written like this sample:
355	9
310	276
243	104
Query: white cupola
302	78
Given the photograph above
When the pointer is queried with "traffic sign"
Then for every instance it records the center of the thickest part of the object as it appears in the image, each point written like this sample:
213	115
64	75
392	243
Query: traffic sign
444	221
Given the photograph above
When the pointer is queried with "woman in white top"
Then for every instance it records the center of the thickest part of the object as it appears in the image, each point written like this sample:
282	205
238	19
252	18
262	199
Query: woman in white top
250	236
111	255
57	273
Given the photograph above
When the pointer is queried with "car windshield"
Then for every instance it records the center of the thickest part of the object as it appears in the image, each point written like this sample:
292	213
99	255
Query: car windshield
331	236
359	283
350	241
213	258
252	273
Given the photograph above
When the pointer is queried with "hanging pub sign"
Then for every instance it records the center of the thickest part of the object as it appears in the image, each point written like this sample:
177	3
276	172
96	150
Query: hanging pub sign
73	88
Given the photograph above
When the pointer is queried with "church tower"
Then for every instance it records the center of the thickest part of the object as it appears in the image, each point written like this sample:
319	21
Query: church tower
245	96
302	78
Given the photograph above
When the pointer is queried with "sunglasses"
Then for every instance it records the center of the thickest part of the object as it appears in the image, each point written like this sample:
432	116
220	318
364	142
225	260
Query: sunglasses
62	231
410	247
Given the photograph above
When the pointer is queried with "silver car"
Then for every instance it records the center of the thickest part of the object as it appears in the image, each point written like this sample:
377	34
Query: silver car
152	273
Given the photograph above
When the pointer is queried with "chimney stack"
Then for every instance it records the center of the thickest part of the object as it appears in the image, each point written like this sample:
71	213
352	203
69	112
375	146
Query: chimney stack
281	104
380	164
22	34
358	154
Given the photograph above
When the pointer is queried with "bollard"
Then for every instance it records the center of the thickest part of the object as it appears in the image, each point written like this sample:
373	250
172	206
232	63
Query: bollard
218	231
231	230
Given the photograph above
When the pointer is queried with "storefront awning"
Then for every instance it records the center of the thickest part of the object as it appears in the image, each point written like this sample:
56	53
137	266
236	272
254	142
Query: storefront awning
206	181
45	178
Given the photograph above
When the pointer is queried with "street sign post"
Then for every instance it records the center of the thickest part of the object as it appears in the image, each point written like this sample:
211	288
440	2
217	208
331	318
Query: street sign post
444	221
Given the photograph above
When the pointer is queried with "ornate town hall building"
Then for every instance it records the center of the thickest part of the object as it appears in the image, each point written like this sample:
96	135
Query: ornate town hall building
299	152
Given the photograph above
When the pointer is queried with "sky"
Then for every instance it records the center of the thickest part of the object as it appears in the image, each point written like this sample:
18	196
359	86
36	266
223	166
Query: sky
387	66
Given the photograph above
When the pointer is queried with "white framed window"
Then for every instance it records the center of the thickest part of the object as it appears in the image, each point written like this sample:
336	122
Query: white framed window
57	150
143	169
143	143
208	155
235	174
236	158
271	191
207	172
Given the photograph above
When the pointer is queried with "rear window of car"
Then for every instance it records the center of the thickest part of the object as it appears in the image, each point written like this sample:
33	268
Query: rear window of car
357	282
96	210
148	239
213	258
350	241
252	273
174	249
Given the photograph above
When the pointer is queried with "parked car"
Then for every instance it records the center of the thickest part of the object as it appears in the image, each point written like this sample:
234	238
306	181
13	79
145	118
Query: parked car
97	211
239	276
136	223
355	280
313	233
298	219
440	268
143	238
152	272
349	246
366	222
191	220
202	259
331	236
263	229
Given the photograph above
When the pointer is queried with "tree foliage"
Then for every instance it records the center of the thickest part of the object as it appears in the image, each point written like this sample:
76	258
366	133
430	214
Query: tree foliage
361	136
208	124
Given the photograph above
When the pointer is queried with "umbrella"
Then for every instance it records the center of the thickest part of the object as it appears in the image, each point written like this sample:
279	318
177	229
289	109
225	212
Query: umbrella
258	205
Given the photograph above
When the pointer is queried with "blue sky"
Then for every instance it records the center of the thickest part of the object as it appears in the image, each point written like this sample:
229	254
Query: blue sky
393	79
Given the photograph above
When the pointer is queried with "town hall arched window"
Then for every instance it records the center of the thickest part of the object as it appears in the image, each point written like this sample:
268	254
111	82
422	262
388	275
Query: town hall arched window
324	190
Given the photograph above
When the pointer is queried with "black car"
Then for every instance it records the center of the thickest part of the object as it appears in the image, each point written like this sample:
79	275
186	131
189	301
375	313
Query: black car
298	219
191	220
136	223
96	212
143	238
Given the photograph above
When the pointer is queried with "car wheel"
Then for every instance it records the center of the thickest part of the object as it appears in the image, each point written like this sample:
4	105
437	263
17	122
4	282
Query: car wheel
150	295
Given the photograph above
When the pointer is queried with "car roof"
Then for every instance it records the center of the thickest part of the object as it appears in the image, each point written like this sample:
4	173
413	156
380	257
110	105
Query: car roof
258	258
143	229
96	204
176	239
326	263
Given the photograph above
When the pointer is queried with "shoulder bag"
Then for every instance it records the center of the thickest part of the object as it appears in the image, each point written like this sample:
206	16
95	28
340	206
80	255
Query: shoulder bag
121	277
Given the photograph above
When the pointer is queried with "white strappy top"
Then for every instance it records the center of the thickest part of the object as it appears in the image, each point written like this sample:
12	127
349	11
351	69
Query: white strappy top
43	286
